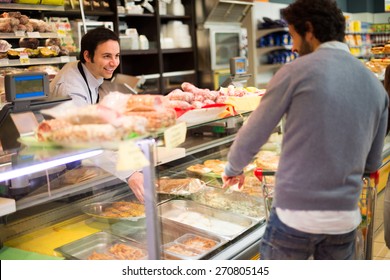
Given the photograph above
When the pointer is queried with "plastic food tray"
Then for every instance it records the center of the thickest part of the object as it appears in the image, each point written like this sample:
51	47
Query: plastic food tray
181	251
198	242
100	243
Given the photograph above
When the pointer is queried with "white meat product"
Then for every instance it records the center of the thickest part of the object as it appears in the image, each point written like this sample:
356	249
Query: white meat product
184	105
178	94
197	104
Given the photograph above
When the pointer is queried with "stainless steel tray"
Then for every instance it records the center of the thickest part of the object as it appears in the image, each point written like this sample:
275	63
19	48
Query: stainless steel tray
99	243
171	231
222	223
98	209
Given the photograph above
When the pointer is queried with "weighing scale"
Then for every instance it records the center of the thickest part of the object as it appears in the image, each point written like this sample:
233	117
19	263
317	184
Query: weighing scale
238	72
26	94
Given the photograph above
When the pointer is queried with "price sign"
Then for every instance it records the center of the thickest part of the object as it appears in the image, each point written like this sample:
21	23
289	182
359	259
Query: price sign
64	59
130	157
4	62
175	135
19	33
34	34
61	32
23	58
387	5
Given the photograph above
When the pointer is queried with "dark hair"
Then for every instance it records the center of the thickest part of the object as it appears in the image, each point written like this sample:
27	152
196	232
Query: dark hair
93	38
326	18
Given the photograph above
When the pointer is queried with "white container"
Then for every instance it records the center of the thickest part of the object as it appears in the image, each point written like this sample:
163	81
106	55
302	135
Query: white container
162	7
143	42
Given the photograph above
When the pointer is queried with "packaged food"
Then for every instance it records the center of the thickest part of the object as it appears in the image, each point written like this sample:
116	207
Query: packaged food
197	242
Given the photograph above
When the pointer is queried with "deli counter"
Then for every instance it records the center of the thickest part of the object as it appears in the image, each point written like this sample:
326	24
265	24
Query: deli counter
52	201
68	203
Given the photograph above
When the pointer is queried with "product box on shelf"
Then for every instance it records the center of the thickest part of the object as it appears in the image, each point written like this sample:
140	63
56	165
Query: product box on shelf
53	2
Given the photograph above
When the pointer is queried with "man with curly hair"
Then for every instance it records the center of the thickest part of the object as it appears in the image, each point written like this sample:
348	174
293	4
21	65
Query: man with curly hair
336	117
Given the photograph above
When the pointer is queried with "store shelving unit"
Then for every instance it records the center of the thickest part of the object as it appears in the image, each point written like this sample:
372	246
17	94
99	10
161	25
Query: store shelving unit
165	68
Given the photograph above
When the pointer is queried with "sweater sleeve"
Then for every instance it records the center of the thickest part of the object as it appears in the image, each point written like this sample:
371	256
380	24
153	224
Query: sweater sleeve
374	158
256	131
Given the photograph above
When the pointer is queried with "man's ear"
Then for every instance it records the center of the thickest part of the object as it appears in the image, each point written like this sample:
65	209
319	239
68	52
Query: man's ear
309	31
86	56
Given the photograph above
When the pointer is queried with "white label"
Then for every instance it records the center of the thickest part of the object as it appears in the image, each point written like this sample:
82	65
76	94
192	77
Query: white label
64	59
19	33
130	157
4	62
23	58
34	34
175	135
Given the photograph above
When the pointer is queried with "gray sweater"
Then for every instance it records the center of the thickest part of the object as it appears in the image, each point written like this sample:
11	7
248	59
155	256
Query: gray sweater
336	117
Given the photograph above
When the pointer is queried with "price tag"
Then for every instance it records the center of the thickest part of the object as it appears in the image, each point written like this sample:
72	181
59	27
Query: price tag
19	33
130	157
23	58
34	34
64	59
4	62
61	33
175	135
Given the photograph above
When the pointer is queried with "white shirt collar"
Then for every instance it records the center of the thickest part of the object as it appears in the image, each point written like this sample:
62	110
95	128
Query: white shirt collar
335	45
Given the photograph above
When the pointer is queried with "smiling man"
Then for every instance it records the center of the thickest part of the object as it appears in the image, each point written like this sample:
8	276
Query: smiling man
99	57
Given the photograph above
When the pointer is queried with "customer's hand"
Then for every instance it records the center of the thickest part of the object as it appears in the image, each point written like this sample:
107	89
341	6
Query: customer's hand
136	184
229	181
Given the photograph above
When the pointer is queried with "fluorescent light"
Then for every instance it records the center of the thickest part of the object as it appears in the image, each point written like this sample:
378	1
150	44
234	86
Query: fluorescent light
46	165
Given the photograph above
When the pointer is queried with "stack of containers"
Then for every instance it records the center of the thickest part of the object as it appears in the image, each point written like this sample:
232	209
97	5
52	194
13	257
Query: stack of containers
175	34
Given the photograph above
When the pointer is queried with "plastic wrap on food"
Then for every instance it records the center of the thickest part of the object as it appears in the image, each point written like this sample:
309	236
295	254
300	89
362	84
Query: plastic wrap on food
146	102
197	242
180	250
233	201
116	101
185	186
157	119
117	210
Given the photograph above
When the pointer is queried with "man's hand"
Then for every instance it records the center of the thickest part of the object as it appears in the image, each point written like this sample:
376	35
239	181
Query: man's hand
229	181
136	184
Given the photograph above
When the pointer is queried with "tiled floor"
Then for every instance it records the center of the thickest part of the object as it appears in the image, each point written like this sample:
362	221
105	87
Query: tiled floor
380	251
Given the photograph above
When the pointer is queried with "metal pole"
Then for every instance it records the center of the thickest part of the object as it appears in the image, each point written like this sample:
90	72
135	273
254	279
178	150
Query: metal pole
153	231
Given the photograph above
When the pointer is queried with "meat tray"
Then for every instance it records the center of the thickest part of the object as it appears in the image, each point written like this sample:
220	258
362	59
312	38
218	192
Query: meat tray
99	243
171	232
222	223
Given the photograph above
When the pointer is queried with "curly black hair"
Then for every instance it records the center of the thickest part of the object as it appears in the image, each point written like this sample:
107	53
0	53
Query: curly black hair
326	18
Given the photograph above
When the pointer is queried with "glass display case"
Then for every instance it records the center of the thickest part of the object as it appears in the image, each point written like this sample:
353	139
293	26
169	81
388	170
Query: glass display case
62	203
